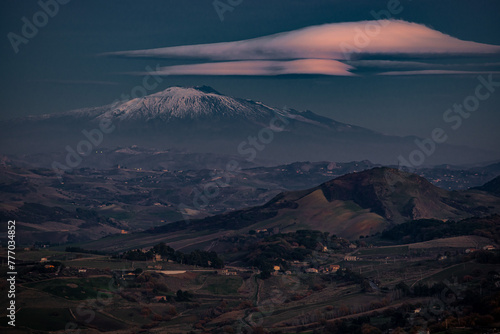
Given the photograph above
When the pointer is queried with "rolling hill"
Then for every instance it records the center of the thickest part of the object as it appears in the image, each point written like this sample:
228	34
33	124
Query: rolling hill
352	205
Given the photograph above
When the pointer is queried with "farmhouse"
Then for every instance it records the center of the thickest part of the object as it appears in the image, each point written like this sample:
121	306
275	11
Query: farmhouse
160	298
330	268
299	264
227	272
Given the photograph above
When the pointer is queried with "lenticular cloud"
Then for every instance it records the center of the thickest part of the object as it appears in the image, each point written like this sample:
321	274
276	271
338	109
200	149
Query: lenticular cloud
315	50
261	67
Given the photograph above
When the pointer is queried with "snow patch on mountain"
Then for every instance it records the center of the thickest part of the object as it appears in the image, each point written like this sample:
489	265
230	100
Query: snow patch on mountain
186	103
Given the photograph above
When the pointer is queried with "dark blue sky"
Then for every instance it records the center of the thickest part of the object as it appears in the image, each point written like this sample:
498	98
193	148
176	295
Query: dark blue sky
61	68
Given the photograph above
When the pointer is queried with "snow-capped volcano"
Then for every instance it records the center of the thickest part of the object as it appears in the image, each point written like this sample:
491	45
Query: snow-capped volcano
179	103
187	103
201	103
202	120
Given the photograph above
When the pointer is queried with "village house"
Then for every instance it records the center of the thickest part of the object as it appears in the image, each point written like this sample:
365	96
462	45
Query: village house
299	264
125	274
332	268
350	258
159	298
227	272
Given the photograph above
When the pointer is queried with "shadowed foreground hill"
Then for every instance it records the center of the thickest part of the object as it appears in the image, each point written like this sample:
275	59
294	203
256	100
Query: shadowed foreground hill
352	205
492	187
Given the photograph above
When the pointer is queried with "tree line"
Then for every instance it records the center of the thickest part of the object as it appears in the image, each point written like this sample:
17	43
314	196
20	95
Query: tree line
197	257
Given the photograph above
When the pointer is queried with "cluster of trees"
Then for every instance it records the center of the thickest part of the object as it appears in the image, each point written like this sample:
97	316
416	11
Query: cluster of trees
267	254
474	312
429	229
91	218
81	250
46	267
34	212
423	290
310	239
183	296
281	248
486	257
196	257
231	221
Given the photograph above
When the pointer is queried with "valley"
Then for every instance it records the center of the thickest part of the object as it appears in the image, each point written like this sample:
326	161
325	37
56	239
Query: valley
374	248
347	286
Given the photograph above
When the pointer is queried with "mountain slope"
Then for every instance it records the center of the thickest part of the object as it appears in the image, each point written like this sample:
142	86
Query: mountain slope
391	193
355	204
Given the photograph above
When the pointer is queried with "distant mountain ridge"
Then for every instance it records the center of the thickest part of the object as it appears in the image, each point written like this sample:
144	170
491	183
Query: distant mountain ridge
201	120
193	103
174	103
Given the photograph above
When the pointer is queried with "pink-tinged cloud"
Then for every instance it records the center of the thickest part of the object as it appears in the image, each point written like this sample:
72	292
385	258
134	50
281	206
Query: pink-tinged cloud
261	67
329	41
